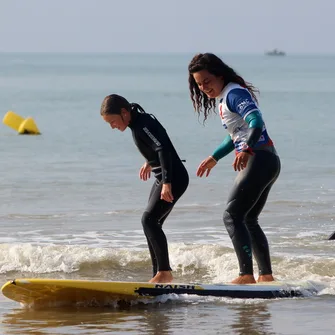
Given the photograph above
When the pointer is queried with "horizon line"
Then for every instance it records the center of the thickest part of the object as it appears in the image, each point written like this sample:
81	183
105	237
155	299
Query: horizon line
165	52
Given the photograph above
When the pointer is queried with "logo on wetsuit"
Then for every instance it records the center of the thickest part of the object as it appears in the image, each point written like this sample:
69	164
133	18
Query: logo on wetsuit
152	137
221	114
244	104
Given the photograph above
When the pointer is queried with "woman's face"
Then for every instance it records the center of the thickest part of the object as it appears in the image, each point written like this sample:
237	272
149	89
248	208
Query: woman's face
208	83
118	121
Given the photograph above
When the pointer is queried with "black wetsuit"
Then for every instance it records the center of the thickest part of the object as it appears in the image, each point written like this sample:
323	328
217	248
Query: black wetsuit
245	202
155	145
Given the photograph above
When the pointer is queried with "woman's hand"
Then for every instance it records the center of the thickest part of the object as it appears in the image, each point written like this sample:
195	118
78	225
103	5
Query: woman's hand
206	166
166	193
241	161
145	171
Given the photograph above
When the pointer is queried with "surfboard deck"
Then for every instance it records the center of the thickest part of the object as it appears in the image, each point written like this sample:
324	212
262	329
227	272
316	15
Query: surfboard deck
40	291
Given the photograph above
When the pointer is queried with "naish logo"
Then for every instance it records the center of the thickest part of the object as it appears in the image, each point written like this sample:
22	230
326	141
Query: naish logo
185	287
152	137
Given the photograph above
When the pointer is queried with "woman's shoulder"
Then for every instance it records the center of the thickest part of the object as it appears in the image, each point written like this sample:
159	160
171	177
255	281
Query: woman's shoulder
229	88
149	120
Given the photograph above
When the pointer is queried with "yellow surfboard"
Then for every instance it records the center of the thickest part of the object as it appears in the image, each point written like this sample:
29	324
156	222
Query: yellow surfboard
69	292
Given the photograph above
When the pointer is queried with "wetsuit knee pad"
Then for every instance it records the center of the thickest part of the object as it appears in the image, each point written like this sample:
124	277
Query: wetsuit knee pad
251	222
229	223
147	219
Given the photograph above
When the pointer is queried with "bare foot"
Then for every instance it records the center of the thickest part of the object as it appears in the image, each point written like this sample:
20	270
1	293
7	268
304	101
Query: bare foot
245	279
162	277
265	278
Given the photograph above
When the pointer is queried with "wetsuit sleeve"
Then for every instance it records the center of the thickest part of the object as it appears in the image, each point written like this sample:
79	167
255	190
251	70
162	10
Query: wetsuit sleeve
224	148
255	123
241	102
156	137
166	165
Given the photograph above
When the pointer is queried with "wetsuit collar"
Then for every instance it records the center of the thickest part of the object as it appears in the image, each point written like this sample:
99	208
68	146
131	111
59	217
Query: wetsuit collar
133	118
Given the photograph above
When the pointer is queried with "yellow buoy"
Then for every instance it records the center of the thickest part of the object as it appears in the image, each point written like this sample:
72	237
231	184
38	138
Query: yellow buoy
21	125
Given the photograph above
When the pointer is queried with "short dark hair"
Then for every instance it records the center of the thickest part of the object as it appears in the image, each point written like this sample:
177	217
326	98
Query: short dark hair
113	103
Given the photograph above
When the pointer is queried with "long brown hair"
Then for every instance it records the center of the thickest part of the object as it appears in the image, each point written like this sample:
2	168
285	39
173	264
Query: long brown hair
214	65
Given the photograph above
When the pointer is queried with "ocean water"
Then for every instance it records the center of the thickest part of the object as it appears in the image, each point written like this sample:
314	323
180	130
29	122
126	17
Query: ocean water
71	200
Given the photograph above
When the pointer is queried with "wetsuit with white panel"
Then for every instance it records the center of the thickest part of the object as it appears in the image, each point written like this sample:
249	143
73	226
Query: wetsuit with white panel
241	117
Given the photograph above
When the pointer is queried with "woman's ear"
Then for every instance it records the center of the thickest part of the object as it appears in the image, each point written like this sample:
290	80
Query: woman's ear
123	112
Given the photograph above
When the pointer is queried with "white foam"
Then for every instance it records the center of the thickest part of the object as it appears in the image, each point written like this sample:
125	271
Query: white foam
203	263
56	258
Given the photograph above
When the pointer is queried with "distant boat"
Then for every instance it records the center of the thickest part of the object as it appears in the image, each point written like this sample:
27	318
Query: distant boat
275	52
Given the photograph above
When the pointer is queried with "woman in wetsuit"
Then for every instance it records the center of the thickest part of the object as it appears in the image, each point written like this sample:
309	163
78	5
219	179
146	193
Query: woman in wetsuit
162	159
212	82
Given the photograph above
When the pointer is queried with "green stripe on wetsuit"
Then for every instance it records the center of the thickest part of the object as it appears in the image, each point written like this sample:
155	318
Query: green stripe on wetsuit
255	122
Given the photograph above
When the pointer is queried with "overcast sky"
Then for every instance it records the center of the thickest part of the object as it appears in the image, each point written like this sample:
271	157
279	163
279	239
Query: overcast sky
236	26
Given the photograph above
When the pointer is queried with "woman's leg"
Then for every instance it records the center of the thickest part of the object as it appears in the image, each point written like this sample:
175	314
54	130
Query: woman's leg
261	171
152	220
